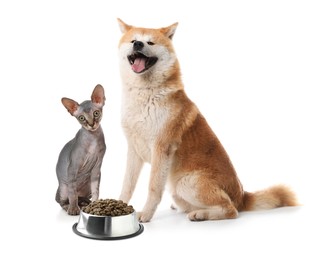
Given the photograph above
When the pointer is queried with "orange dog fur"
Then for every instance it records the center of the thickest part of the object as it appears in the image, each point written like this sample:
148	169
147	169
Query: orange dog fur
164	127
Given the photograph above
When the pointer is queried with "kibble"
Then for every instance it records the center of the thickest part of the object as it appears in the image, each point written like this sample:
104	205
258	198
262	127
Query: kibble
108	207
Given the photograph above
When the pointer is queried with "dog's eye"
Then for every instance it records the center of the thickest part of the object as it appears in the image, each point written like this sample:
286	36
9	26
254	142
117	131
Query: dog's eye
150	43
133	41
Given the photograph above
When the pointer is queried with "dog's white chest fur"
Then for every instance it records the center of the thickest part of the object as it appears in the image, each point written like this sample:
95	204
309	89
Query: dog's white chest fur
143	117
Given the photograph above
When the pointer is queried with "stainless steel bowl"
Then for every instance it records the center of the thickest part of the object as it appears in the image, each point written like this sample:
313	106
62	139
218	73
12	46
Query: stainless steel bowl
106	227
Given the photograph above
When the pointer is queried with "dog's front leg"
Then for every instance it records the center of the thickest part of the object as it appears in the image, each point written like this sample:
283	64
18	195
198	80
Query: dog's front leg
133	168
162	158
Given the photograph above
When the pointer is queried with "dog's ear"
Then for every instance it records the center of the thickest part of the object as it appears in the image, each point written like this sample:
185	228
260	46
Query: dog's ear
170	30
123	26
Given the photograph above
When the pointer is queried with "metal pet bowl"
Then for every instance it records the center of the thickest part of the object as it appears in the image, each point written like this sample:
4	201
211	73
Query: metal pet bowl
107	227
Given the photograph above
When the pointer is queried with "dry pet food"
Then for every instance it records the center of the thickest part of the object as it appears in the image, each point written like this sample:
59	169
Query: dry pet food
108	207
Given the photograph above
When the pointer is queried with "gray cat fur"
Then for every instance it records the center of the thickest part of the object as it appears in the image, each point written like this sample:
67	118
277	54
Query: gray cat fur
79	164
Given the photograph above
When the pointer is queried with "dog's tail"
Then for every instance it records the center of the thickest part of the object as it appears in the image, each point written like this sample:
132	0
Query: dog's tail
272	197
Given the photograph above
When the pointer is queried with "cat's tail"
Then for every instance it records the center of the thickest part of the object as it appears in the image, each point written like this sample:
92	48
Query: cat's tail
272	197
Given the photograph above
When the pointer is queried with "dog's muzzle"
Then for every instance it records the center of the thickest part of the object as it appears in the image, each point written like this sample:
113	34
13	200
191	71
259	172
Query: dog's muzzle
138	60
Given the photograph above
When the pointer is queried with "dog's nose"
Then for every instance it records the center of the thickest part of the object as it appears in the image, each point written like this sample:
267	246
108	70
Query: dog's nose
138	45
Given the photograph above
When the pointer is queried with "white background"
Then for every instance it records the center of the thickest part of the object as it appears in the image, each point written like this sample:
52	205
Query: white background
248	65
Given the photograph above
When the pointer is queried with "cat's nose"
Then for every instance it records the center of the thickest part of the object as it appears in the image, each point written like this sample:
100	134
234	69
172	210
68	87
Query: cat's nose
91	122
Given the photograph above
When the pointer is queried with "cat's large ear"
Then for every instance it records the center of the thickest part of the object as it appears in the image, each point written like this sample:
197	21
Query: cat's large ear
70	105
98	96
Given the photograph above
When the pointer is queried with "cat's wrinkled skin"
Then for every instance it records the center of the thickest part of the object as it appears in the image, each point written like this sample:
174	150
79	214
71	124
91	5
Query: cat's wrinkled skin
79	164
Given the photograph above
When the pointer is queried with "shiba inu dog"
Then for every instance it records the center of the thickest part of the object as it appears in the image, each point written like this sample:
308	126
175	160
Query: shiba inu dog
166	129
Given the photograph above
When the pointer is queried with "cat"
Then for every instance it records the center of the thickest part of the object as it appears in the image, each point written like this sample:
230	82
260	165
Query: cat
79	164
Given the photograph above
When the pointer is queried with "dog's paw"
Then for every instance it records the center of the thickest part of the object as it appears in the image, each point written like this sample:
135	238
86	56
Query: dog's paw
197	215
144	217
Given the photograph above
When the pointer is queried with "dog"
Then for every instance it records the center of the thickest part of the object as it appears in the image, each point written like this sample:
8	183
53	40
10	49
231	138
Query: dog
164	128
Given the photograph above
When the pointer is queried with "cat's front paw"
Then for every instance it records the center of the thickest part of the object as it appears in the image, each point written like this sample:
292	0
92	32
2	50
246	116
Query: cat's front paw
144	216
82	202
73	210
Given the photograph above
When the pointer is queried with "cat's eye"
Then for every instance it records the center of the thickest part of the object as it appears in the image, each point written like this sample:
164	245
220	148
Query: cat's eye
96	113
133	41
150	43
81	118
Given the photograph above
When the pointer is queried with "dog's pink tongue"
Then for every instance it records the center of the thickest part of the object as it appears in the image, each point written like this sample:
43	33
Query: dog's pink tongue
138	65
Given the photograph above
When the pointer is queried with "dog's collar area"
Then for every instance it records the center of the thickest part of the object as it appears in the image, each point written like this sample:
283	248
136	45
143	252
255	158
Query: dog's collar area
140	62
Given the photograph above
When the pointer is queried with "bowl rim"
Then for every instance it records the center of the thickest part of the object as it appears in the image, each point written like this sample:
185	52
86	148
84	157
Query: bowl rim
102	216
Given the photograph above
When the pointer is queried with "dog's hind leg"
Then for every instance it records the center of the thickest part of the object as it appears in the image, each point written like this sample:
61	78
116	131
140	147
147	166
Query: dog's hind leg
204	200
223	211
